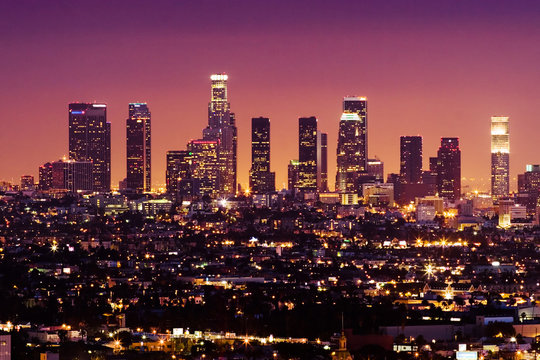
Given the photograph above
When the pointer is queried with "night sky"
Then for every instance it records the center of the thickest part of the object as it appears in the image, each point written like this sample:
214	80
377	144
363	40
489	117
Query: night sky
430	68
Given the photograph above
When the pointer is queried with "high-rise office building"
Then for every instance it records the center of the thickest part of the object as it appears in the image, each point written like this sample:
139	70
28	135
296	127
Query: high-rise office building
293	170
45	176
352	144
307	153
500	157
411	159
375	168
433	163
206	165
138	148
27	182
449	169
179	168
72	175
222	128
322	161
90	140
261	179
529	187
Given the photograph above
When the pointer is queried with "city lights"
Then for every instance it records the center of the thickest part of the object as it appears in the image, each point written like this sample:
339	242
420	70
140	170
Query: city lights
272	214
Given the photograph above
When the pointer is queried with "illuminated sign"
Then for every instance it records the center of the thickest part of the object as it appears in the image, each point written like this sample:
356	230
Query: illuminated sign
405	347
219	77
99	105
350	116
77	112
466	355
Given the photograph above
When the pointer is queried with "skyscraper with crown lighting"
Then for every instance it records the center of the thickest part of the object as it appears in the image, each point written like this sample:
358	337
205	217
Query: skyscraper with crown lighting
222	129
352	144
500	157
90	140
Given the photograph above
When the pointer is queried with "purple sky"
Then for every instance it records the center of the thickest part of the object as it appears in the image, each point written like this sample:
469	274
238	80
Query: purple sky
430	68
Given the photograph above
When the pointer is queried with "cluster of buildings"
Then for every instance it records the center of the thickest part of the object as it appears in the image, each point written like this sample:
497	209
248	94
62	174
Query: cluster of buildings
206	258
208	166
211	267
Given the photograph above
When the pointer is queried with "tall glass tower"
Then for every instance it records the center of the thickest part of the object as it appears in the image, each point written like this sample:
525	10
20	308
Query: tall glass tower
222	128
307	153
90	140
261	179
500	157
352	144
411	159
322	161
138	151
449	169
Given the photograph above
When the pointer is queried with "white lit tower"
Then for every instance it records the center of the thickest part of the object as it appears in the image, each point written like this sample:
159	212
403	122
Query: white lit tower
500	157
222	128
352	144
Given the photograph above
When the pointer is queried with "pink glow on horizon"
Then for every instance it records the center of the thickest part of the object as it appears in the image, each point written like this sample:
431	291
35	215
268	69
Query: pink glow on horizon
435	72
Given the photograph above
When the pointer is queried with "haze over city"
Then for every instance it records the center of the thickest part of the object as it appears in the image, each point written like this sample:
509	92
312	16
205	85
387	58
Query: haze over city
277	179
430	69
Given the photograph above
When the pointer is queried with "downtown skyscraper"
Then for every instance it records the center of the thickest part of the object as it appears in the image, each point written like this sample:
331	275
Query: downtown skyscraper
90	140
322	161
410	169
138	148
222	129
500	157
352	144
178	169
307	154
449	169
261	179
206	166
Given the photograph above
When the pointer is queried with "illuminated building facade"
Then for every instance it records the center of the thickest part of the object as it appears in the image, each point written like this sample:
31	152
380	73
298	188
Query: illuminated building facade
138	148
45	176
411	159
352	144
206	166
307	154
375	168
261	179
293	170
222	129
178	169
433	163
90	140
529	187
322	161
72	175
500	157
27	182
449	169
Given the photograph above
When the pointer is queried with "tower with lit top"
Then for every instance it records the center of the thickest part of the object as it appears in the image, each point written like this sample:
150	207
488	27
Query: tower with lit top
352	144
222	128
90	140
500	157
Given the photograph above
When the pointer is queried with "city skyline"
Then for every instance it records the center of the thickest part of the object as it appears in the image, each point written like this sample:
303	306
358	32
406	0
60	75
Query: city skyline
513	181
253	179
401	103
